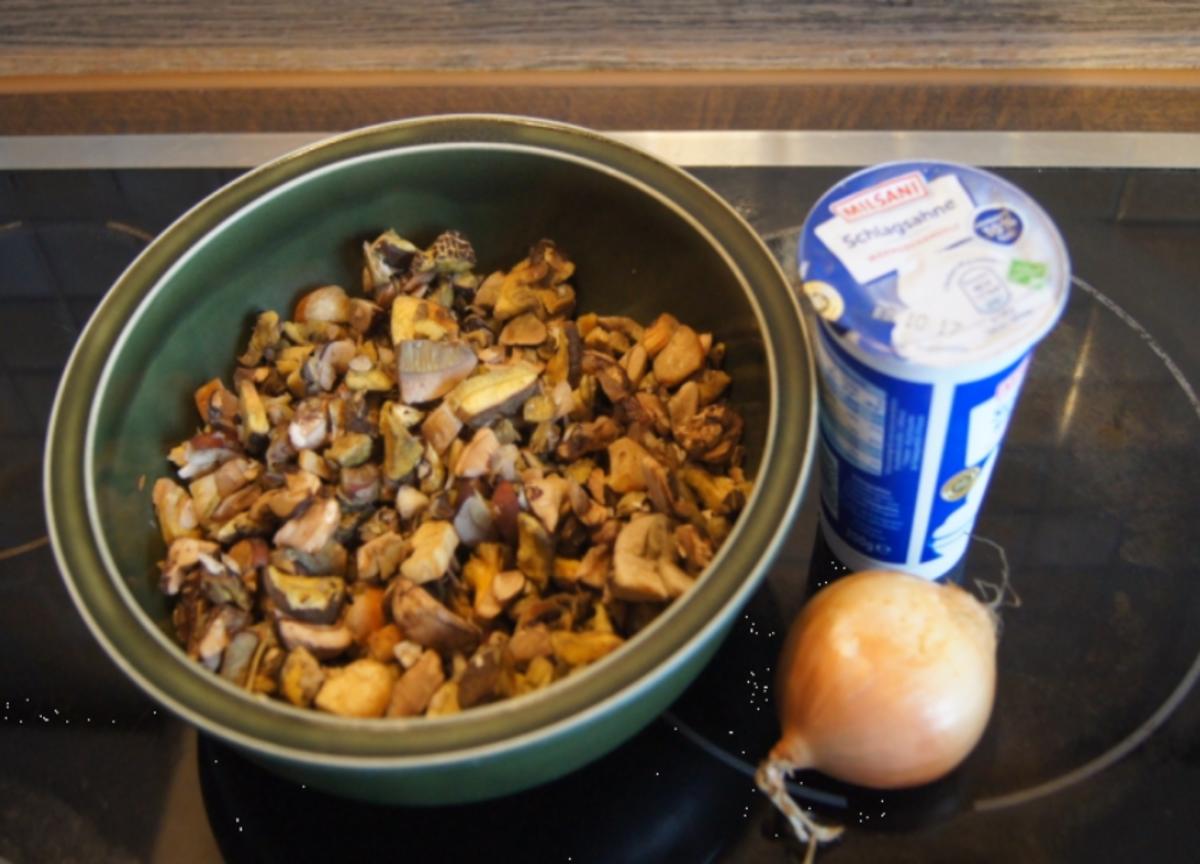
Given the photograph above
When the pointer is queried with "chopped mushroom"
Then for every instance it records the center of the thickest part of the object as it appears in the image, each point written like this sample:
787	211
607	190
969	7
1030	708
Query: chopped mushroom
433	547
343	544
475	458
580	649
680	357
428	369
312	529
362	688
535	550
525	329
494	393
183	554
643	569
378	560
330	304
174	509
323	641
411	694
315	599
545	498
301	677
427	622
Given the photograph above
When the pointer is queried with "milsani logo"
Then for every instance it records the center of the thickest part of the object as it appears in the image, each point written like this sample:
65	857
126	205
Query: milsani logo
882	196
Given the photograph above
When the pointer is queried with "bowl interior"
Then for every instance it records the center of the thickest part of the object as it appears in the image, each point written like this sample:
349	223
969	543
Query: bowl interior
635	255
183	311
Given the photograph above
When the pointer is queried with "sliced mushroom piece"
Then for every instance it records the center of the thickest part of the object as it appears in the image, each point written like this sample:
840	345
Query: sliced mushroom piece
312	529
720	494
283	503
479	571
248	557
219	627
362	688
239	657
507	586
625	472
608	374
313	599
711	433
495	393
514	297
328	303
359	486
658	485
309	426
300	677
682	356
691	545
410	502
183	554
235	503
265	336
441	427
433	547
323	641
586	509
421	319
506	505
643	549
175	511
526	329
350	449
242	525
659	333
545	497
580	649
412	693
475	458
386	257
363	315
535	550
255	424
526	643
595	566
381	644
429	369
427	622
327	362
217	405
401	450
588	437
378	559
202	453
365	612
406	652
634	363
684	404
480	680
474	523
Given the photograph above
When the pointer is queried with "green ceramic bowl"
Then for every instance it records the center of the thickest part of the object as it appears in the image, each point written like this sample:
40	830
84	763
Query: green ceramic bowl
646	238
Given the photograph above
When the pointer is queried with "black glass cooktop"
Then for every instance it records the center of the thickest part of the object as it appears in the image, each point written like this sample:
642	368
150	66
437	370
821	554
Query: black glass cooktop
1093	753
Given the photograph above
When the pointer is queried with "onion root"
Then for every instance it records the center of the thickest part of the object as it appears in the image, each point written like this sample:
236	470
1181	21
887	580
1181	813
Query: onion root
771	779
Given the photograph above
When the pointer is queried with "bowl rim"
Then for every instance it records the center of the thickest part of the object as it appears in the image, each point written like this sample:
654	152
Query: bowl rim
273	728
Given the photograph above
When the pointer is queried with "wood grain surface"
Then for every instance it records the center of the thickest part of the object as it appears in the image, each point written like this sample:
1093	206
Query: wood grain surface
73	37
954	100
70	66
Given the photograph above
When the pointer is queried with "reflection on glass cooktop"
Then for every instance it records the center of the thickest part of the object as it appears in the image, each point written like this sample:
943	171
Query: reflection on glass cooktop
1091	753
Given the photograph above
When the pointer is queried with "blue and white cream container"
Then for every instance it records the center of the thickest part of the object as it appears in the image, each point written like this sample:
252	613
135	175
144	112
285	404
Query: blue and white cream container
934	283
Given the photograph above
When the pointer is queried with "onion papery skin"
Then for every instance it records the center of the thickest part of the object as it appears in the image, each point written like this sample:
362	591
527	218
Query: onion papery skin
886	680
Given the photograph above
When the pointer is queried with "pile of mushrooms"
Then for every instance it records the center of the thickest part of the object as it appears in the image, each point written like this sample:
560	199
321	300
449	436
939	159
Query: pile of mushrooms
446	492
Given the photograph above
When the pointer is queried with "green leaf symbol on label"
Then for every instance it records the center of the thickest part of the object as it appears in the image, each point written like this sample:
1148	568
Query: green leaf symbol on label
1030	273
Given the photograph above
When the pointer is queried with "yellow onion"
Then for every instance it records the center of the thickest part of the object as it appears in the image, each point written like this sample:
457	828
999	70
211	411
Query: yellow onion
886	680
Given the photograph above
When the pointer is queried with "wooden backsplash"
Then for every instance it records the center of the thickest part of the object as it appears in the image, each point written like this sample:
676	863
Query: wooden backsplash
73	66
